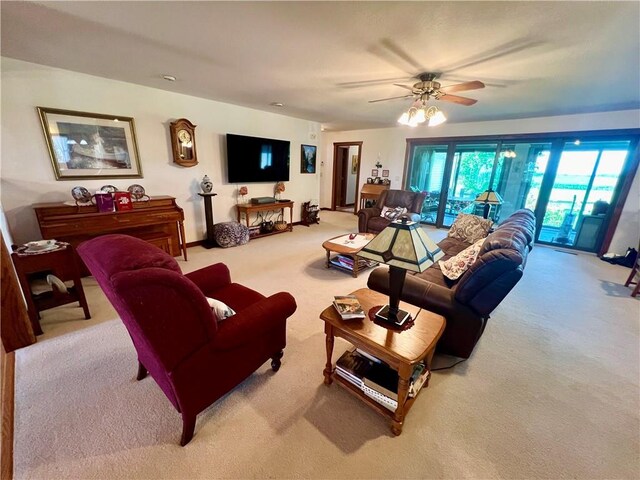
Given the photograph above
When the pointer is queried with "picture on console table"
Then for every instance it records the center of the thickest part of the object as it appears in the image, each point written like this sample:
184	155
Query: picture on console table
90	145
308	159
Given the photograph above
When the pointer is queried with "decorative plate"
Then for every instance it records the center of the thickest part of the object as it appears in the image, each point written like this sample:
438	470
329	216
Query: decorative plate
108	188
81	194
137	191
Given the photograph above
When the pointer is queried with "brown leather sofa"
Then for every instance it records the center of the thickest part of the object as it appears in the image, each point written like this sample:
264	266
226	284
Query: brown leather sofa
467	302
369	219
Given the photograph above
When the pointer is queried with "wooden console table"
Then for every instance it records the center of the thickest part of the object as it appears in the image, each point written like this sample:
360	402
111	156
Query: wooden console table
247	209
159	221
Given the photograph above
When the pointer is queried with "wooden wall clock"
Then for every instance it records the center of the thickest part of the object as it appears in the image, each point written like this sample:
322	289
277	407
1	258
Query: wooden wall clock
183	142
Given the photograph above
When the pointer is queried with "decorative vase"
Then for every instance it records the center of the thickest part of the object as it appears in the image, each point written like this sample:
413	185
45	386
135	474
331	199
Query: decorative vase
206	185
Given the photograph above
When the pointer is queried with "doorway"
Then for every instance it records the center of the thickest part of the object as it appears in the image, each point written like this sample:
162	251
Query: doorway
346	175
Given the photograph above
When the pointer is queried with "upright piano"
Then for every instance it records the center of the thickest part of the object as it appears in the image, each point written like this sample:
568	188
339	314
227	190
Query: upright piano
159	221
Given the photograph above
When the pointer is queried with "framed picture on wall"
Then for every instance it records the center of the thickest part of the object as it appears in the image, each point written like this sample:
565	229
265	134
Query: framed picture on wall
90	145
354	164
308	158
374	172
385	173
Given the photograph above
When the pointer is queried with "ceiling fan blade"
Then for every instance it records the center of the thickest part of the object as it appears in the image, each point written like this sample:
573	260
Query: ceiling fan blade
403	86
371	83
456	99
461	87
391	98
397	50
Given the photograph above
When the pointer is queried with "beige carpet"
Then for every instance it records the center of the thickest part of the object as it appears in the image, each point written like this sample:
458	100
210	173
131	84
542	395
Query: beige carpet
550	392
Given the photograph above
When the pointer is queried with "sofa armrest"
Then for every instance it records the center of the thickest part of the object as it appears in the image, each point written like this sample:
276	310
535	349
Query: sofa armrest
427	295
364	214
211	278
254	321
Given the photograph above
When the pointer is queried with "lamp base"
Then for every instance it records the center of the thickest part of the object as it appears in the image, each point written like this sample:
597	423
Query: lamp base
398	320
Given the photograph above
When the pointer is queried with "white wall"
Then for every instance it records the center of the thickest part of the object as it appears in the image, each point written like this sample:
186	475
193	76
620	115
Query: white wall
388	146
27	175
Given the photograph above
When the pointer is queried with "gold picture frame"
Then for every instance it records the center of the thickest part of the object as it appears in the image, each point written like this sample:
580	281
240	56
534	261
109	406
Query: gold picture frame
85	145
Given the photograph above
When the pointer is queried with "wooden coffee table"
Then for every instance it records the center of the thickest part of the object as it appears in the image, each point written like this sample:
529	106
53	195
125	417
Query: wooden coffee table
402	350
350	249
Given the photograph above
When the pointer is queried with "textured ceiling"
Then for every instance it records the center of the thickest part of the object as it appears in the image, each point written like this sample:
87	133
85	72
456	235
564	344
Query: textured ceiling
325	60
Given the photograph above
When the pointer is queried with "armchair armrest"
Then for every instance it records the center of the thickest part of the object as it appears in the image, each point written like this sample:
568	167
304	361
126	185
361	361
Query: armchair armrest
211	278
364	214
254	321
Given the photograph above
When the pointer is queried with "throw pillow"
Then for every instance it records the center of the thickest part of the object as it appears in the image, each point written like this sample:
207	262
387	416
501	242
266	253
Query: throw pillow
456	266
469	228
220	309
392	213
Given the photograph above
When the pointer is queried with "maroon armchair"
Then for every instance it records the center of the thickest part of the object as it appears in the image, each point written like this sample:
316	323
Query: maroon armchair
192	357
369	219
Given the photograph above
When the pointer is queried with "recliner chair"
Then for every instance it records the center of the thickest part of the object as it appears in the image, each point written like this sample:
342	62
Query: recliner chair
193	358
369	219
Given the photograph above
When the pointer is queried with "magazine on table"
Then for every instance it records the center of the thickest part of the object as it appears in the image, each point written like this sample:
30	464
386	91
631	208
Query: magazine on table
348	307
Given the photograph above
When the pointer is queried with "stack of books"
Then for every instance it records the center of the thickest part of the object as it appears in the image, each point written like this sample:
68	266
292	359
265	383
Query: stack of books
348	307
344	261
376	379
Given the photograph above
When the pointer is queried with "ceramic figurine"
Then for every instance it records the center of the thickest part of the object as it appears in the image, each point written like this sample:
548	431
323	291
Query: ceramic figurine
206	185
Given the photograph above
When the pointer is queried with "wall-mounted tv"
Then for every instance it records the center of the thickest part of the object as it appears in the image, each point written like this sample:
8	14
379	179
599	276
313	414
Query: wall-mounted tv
253	159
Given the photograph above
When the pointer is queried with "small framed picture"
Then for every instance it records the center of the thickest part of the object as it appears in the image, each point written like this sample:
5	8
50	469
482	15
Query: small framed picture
385	173
374	172
369	180
308	158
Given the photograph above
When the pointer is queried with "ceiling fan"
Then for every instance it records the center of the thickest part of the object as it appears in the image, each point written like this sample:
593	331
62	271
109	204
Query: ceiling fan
428	88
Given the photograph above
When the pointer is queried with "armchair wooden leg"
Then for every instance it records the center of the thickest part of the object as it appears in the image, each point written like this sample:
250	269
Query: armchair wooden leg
142	371
275	361
188	426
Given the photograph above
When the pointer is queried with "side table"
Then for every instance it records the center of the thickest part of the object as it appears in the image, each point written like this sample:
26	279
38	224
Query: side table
401	350
60	260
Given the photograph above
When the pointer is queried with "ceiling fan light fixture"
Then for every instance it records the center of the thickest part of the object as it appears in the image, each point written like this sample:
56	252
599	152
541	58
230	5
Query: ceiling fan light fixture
437	118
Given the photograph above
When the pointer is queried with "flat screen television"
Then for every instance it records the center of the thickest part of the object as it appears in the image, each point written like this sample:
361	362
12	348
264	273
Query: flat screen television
254	159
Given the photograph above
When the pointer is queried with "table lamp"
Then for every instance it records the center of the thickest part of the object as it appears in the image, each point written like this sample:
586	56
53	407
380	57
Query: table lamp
403	245
488	197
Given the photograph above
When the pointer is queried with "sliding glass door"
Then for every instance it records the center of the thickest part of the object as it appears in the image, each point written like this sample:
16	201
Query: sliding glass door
572	186
473	166
426	174
584	184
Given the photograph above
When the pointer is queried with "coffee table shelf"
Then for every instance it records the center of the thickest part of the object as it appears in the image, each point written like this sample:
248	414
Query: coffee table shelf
347	250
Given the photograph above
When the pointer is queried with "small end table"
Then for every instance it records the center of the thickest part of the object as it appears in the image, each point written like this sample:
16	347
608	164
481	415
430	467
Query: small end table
59	260
401	350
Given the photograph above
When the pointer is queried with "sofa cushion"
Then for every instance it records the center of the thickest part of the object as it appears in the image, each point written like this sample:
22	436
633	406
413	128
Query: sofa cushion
508	236
456	266
469	228
452	246
523	220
